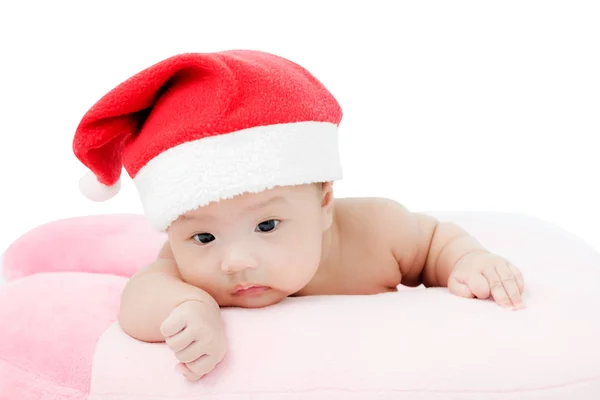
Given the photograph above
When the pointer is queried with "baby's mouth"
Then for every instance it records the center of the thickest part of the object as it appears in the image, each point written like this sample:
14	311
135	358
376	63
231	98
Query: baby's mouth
249	290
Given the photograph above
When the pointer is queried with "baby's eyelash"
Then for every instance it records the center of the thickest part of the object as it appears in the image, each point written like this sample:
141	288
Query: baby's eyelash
207	237
268	222
265	226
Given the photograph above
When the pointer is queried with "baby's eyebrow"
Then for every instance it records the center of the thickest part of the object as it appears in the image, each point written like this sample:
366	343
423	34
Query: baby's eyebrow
194	217
273	200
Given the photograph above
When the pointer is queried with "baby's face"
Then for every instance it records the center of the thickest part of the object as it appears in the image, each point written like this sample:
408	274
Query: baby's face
254	249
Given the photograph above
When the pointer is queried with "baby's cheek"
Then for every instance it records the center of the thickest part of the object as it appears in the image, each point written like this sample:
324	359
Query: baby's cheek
194	274
298	269
206	282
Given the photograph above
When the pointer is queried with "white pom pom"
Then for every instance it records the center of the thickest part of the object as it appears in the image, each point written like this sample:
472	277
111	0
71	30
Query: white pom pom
95	190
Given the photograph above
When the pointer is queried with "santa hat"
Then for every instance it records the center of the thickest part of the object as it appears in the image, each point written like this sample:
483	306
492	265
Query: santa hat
201	127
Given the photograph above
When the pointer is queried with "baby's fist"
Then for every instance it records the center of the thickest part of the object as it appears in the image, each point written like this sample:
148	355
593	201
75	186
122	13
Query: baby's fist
484	275
194	332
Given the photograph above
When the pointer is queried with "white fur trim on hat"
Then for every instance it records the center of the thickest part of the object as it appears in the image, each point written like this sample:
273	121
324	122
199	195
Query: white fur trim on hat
196	173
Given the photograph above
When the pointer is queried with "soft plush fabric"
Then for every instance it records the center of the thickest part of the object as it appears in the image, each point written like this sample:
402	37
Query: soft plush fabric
59	338
257	119
50	323
114	244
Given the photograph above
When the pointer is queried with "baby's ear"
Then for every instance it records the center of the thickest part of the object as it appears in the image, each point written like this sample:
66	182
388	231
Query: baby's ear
327	201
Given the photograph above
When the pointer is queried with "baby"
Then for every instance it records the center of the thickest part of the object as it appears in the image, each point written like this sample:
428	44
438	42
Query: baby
234	155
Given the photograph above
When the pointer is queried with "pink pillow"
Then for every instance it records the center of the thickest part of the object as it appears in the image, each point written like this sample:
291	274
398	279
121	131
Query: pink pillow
59	338
113	244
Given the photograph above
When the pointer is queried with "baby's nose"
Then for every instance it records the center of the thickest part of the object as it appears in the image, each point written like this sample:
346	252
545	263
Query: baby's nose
237	261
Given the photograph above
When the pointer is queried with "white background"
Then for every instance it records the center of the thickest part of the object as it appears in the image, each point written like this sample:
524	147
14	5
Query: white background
449	105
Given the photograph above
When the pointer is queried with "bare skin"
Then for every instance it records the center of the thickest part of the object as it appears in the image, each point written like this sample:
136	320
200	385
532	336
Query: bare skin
297	241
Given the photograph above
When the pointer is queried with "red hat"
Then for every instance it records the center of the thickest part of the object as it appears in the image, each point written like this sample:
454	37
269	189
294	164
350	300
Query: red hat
201	127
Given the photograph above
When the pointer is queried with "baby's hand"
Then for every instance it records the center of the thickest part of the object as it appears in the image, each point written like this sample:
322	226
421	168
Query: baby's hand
195	333
482	275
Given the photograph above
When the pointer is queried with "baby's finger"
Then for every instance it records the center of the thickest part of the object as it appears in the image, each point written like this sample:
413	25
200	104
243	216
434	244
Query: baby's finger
192	352
518	276
173	324
189	375
496	287
459	288
510	284
202	365
479	286
180	340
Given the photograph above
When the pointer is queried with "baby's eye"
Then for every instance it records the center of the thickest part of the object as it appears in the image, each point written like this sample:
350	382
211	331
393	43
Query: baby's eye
268	225
203	238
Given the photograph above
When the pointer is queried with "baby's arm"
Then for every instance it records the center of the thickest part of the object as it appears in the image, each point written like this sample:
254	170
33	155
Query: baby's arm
442	245
438	253
152	294
426	250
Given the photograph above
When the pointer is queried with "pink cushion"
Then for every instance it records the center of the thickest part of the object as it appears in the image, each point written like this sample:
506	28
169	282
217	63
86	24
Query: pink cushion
116	244
59	338
50	324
